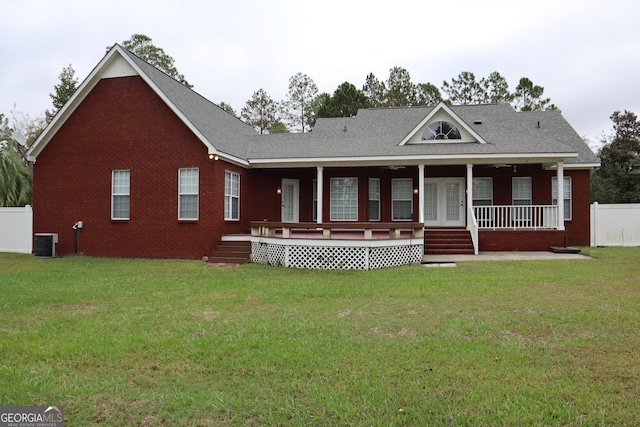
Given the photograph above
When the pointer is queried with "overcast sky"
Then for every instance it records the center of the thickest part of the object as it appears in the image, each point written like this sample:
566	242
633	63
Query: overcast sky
585	53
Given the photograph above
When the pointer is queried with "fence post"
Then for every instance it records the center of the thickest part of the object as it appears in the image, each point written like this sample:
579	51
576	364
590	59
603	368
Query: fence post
28	213
594	225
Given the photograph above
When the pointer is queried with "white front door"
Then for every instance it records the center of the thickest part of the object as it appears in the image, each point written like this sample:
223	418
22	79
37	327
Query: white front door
444	202
290	200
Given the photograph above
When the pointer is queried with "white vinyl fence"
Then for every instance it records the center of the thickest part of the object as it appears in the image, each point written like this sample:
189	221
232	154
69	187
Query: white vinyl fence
615	225
16	229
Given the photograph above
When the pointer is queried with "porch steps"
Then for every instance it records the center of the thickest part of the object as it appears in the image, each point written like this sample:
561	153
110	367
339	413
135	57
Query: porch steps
447	241
231	252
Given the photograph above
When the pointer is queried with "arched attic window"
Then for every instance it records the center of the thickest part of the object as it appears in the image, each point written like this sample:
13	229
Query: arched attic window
440	130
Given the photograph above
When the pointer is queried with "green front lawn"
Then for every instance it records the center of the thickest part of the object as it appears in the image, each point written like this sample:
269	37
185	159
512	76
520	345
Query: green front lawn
122	342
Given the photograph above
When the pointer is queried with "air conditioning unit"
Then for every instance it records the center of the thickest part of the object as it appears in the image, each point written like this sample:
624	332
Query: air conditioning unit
45	244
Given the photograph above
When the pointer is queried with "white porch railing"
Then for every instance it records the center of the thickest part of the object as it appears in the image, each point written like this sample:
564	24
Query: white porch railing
516	217
473	229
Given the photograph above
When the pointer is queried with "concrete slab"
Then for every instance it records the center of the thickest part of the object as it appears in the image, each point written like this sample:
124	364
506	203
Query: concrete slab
501	256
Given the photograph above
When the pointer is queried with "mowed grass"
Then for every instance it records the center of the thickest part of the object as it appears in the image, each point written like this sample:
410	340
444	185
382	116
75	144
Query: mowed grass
124	342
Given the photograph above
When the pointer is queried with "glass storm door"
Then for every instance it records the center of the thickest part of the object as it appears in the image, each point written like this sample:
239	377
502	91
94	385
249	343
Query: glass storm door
444	202
290	200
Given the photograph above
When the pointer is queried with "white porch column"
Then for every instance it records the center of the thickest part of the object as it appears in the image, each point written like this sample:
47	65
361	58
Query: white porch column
560	194
319	178
421	193
469	188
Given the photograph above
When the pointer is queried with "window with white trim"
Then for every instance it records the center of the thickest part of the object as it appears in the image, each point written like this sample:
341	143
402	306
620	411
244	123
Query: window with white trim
231	195
482	191
188	193
344	199
567	195
402	199
521	191
120	194
521	195
374	199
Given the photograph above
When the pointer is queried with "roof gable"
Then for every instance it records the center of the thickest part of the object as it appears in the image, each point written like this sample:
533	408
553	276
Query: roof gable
218	130
442	112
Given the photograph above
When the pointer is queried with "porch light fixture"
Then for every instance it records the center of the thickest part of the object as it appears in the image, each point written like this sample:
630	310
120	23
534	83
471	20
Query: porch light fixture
213	156
278	190
415	191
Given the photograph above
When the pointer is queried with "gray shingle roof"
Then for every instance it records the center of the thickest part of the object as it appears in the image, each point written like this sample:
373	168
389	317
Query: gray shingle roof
377	132
225	132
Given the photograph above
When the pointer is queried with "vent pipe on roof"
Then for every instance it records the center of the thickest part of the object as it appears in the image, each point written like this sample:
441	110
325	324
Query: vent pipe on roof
538	125
345	128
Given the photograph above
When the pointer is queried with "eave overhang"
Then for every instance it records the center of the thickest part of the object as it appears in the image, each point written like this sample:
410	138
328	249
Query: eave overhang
461	159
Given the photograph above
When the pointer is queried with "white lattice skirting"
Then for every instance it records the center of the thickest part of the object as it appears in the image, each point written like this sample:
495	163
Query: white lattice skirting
336	254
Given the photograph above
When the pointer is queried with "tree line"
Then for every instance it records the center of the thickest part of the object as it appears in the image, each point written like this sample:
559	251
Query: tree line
303	104
617	180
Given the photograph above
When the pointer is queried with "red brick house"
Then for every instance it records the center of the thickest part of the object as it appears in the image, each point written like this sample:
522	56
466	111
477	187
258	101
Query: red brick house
153	169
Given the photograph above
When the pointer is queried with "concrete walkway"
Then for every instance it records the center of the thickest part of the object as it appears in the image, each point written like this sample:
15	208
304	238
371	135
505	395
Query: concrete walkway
500	256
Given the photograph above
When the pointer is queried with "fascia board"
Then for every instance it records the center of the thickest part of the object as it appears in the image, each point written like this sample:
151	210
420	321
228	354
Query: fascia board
410	160
554	166
442	106
231	159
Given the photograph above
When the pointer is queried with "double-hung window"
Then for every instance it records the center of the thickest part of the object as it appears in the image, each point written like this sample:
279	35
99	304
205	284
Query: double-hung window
231	196
188	193
567	195
482	200
521	194
482	191
120	181
344	199
402	194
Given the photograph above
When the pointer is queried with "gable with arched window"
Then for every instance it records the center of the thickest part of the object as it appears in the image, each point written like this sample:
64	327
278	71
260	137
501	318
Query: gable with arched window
441	130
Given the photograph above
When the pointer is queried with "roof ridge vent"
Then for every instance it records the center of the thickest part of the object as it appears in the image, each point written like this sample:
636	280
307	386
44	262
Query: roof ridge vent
477	122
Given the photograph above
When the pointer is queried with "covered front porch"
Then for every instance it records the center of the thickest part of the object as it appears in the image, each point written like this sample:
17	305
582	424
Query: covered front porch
377	202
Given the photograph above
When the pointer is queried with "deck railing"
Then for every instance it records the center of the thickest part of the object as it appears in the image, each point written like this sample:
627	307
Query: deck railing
517	217
331	229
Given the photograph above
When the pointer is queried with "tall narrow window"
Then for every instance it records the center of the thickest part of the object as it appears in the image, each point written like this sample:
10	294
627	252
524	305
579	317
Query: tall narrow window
567	195
521	194
402	203
482	199
120	194
231	196
521	191
374	199
188	193
344	199
315	199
